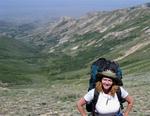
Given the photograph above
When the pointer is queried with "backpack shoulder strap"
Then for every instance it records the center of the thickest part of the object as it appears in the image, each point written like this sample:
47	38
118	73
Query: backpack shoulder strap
119	94
121	100
96	94
94	101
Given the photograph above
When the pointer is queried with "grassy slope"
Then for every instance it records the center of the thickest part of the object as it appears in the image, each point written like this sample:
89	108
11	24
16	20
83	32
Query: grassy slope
110	48
15	54
17	61
138	62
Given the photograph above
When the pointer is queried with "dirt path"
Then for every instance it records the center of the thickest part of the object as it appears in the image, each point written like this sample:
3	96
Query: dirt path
133	49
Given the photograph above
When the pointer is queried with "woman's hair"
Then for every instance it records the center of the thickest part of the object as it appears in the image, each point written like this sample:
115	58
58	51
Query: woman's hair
113	89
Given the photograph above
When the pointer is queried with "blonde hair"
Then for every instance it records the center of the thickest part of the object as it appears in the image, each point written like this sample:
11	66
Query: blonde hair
113	89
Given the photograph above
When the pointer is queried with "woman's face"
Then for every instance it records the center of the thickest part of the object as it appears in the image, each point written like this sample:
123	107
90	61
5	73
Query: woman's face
107	83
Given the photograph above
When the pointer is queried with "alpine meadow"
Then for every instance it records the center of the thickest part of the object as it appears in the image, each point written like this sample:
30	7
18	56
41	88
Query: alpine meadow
45	67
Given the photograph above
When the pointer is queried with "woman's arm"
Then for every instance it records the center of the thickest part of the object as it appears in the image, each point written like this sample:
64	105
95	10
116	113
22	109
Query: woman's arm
80	107
130	101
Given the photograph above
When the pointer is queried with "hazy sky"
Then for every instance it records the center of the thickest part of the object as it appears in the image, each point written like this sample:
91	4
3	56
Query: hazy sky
52	8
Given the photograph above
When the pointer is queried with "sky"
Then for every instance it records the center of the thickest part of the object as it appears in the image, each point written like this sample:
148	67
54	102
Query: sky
56	8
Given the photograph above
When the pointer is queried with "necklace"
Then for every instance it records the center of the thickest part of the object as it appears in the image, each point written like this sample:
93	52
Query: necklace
108	98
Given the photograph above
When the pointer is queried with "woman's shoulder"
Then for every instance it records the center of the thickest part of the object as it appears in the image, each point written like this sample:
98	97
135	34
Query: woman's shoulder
122	88
89	95
124	92
91	91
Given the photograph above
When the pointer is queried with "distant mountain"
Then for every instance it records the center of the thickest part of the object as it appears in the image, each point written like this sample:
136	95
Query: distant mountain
122	35
114	25
70	45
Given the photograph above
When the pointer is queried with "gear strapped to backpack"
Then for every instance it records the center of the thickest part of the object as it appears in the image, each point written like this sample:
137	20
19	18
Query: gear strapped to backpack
98	66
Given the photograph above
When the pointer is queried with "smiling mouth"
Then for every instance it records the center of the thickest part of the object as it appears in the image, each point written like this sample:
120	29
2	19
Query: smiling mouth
107	86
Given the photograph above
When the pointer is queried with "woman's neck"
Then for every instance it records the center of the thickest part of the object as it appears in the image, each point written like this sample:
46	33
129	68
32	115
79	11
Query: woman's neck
106	91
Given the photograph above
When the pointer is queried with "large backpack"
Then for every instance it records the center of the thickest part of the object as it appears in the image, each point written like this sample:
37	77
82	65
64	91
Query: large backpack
100	65
103	64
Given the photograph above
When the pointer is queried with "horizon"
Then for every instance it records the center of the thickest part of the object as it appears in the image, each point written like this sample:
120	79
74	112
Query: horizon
56	8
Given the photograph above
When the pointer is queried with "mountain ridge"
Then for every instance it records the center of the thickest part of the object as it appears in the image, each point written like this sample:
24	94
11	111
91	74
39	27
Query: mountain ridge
67	28
72	44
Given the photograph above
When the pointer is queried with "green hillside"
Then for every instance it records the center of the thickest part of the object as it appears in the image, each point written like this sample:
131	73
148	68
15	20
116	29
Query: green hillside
17	61
65	49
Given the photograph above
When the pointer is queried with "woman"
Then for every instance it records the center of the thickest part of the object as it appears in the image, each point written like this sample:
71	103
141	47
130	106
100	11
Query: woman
107	103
